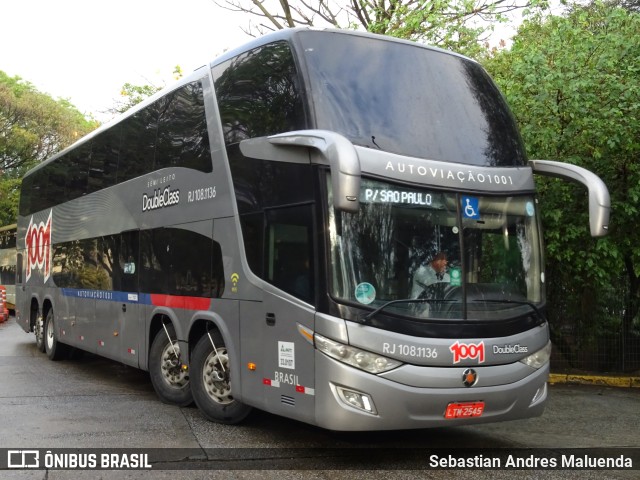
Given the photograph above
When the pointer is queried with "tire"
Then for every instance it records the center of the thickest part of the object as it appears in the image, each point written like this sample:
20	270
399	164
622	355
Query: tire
211	382
53	348
38	329
169	380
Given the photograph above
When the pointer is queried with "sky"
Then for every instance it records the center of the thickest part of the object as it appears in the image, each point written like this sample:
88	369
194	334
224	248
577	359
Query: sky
86	51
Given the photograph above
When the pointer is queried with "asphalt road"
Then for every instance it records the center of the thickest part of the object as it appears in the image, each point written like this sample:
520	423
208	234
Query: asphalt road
96	403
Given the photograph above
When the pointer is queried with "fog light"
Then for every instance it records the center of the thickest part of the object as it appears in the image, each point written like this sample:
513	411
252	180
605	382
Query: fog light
358	400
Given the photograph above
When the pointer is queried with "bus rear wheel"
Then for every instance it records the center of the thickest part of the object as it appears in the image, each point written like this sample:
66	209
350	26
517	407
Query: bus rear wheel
169	379
54	349
211	381
38	329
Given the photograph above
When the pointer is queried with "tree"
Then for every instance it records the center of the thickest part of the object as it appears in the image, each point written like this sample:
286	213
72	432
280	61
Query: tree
452	24
33	126
134	94
573	83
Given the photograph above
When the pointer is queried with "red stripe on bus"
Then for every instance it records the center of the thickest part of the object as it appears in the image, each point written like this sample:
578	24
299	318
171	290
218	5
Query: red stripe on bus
176	301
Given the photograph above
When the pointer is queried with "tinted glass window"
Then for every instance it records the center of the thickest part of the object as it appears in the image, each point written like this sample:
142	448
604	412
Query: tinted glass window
279	248
289	250
81	264
104	263
76	172
27	205
183	140
57	174
258	93
118	256
409	100
260	184
104	160
40	189
181	262
138	143
175	127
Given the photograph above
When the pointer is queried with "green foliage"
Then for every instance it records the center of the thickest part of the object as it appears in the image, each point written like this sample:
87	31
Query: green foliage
9	197
573	83
134	94
33	126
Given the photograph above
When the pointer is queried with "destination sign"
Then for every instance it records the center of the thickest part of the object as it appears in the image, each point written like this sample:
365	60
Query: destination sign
399	197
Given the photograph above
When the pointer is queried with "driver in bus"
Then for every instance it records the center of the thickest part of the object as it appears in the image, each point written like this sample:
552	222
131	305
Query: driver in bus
434	272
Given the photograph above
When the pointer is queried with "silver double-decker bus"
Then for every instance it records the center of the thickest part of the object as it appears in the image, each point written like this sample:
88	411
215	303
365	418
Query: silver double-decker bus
331	226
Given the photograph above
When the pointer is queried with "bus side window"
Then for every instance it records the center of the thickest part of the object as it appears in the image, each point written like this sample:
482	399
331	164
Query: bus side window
104	160
258	93
290	250
138	143
76	164
175	261
183	140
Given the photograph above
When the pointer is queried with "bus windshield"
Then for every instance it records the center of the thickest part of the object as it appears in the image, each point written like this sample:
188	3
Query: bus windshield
409	100
437	255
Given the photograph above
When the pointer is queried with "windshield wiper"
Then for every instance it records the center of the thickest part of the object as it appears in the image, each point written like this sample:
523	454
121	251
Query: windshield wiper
515	302
370	315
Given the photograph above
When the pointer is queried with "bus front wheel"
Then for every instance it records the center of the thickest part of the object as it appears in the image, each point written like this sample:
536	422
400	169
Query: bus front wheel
169	379
54	349
211	381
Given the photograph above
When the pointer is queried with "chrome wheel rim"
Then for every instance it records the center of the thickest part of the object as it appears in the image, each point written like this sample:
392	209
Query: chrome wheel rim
215	377
171	367
49	334
39	330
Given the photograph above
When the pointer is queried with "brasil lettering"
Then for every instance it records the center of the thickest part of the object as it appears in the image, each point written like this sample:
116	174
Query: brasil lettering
160	199
38	242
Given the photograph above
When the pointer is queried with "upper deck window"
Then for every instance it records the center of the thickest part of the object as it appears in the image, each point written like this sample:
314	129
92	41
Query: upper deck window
170	132
258	93
409	100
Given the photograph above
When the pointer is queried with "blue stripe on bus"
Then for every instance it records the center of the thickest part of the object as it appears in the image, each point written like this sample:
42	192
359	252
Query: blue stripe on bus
108	295
158	300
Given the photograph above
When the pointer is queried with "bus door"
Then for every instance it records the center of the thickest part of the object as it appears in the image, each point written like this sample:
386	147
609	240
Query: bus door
280	322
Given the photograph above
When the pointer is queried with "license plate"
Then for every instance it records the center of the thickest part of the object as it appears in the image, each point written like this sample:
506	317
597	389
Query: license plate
464	410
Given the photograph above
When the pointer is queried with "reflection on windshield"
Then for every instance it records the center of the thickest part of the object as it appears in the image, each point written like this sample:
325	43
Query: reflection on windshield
410	244
409	100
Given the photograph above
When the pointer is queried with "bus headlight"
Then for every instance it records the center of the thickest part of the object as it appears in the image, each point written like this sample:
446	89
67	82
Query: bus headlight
540	358
367	361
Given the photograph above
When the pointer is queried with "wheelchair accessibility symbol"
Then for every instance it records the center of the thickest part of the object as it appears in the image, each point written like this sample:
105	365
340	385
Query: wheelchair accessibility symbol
471	207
